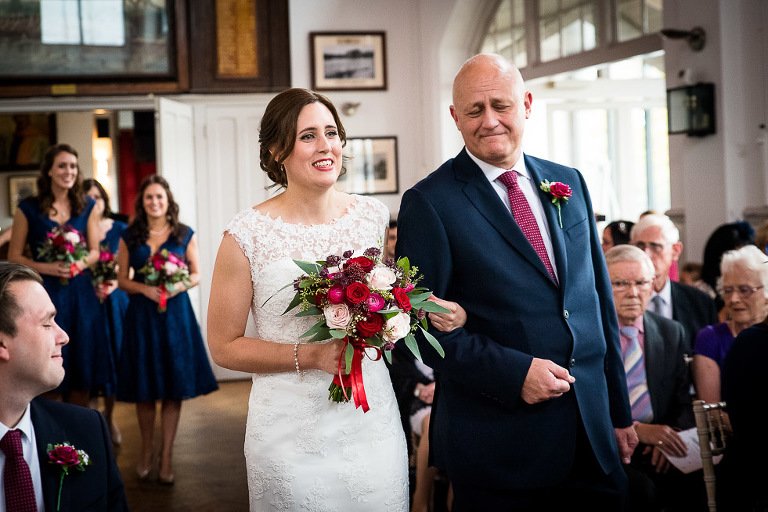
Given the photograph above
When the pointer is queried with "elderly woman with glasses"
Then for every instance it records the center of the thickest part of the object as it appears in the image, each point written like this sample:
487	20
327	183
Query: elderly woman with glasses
744	288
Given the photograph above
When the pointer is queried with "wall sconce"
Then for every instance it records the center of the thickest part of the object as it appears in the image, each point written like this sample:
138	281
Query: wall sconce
691	109
696	37
349	108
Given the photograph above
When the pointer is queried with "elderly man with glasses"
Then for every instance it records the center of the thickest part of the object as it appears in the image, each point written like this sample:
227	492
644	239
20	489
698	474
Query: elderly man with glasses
660	239
658	383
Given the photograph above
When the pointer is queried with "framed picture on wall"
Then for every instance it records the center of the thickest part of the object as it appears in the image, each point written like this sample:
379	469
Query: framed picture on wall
348	61
20	187
24	139
371	164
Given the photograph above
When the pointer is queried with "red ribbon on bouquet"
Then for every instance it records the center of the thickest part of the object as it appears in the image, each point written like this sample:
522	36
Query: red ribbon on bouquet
163	304
73	270
355	378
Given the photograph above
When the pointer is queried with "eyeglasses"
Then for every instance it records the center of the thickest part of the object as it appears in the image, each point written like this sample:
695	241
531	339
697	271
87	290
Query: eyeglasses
653	246
744	291
624	284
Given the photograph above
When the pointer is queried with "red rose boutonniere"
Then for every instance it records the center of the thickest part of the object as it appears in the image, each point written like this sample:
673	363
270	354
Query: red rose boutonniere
560	193
66	457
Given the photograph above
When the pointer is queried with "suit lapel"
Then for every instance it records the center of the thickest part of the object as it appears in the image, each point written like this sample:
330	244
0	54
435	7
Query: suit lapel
539	174
482	196
654	355
47	432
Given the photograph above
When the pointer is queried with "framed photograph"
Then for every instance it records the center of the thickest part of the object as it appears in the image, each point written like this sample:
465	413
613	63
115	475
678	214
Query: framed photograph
348	61
20	187
371	164
24	139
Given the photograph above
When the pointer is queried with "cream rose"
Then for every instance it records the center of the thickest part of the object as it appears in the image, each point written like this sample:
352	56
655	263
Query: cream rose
381	278
337	316
397	327
170	268
72	237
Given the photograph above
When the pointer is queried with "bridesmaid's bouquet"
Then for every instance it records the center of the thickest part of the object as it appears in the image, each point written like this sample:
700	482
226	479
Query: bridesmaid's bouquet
165	270
367	302
64	243
104	270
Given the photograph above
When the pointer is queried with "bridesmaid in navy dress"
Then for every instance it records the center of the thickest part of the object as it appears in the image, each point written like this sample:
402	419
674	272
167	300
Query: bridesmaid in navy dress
88	359
115	300
163	356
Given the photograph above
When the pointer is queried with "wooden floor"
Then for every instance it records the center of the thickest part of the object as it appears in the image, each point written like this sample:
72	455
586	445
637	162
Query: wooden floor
208	457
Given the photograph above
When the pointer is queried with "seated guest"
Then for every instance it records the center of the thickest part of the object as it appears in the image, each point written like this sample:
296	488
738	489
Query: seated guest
744	290
616	233
743	384
725	237
660	239
657	379
31	364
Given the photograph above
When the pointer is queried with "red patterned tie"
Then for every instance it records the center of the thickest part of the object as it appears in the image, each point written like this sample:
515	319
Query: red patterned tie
17	480
523	215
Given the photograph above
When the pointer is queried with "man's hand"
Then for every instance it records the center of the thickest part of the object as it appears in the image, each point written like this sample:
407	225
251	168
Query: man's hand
627	440
545	380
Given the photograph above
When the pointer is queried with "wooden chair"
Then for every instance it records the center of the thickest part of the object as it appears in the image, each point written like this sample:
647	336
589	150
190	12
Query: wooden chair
711	427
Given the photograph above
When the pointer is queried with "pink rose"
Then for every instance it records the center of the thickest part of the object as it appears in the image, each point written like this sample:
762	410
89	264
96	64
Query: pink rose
381	278
337	316
336	294
560	190
375	302
408	287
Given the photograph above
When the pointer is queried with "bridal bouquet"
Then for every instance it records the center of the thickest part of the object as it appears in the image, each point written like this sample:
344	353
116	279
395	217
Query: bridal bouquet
165	270
105	269
367	302
64	243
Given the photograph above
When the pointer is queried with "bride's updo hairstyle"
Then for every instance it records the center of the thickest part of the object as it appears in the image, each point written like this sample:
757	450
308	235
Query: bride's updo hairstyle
277	134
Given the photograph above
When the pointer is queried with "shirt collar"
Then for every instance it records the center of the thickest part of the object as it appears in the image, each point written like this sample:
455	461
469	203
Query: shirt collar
492	172
666	293
24	424
638	323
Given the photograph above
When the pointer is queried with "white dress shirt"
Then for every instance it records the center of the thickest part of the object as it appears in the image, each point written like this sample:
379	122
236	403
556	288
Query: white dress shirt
29	447
525	182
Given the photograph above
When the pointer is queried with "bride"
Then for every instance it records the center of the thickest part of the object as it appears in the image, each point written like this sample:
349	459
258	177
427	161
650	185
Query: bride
303	451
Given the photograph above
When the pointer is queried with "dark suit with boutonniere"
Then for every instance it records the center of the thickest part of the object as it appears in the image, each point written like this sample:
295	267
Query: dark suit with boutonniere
99	487
453	226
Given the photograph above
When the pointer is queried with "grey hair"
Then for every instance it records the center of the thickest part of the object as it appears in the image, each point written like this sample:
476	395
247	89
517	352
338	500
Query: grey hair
749	258
624	252
668	229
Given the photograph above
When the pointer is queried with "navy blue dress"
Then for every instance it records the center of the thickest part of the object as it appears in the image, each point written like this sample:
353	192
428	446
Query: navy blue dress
88	358
163	355
117	302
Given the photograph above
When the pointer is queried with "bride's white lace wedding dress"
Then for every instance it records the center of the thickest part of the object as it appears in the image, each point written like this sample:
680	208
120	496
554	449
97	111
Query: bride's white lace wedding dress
304	452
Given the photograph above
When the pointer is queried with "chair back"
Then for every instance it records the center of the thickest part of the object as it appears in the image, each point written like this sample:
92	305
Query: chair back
711	426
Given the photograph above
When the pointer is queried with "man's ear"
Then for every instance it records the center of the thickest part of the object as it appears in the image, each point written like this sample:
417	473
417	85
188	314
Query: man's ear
677	250
4	352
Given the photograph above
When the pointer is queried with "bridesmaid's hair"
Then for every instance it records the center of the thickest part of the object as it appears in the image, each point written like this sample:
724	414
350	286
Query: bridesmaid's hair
88	184
44	187
138	231
277	134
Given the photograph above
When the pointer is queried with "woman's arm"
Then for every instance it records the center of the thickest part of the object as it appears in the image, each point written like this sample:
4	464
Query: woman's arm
228	310
706	378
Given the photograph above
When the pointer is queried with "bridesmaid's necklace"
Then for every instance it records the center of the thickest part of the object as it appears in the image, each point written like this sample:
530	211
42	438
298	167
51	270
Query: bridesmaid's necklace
159	231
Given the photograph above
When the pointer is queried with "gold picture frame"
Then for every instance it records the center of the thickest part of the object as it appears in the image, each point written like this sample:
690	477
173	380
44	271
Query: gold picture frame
344	61
20	187
371	164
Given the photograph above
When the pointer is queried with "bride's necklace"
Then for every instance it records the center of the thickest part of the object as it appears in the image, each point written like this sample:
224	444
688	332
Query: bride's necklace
160	231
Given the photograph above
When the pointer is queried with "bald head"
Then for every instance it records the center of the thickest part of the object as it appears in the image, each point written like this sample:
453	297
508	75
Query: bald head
490	106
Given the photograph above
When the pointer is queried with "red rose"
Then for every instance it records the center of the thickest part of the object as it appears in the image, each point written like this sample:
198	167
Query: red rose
356	293
64	455
560	190
402	299
365	263
370	325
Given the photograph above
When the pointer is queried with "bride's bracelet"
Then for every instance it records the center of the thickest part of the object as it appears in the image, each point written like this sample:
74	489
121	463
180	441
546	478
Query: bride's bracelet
296	360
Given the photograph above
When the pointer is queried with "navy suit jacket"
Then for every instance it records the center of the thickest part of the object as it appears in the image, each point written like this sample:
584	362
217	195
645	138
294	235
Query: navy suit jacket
666	371
693	309
99	487
454	227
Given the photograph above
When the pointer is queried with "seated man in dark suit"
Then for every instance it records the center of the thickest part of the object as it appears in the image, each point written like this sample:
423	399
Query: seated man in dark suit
660	239
31	364
658	384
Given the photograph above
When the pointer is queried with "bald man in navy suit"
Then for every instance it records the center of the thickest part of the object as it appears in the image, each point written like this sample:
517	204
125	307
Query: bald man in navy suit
31	364
531	409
